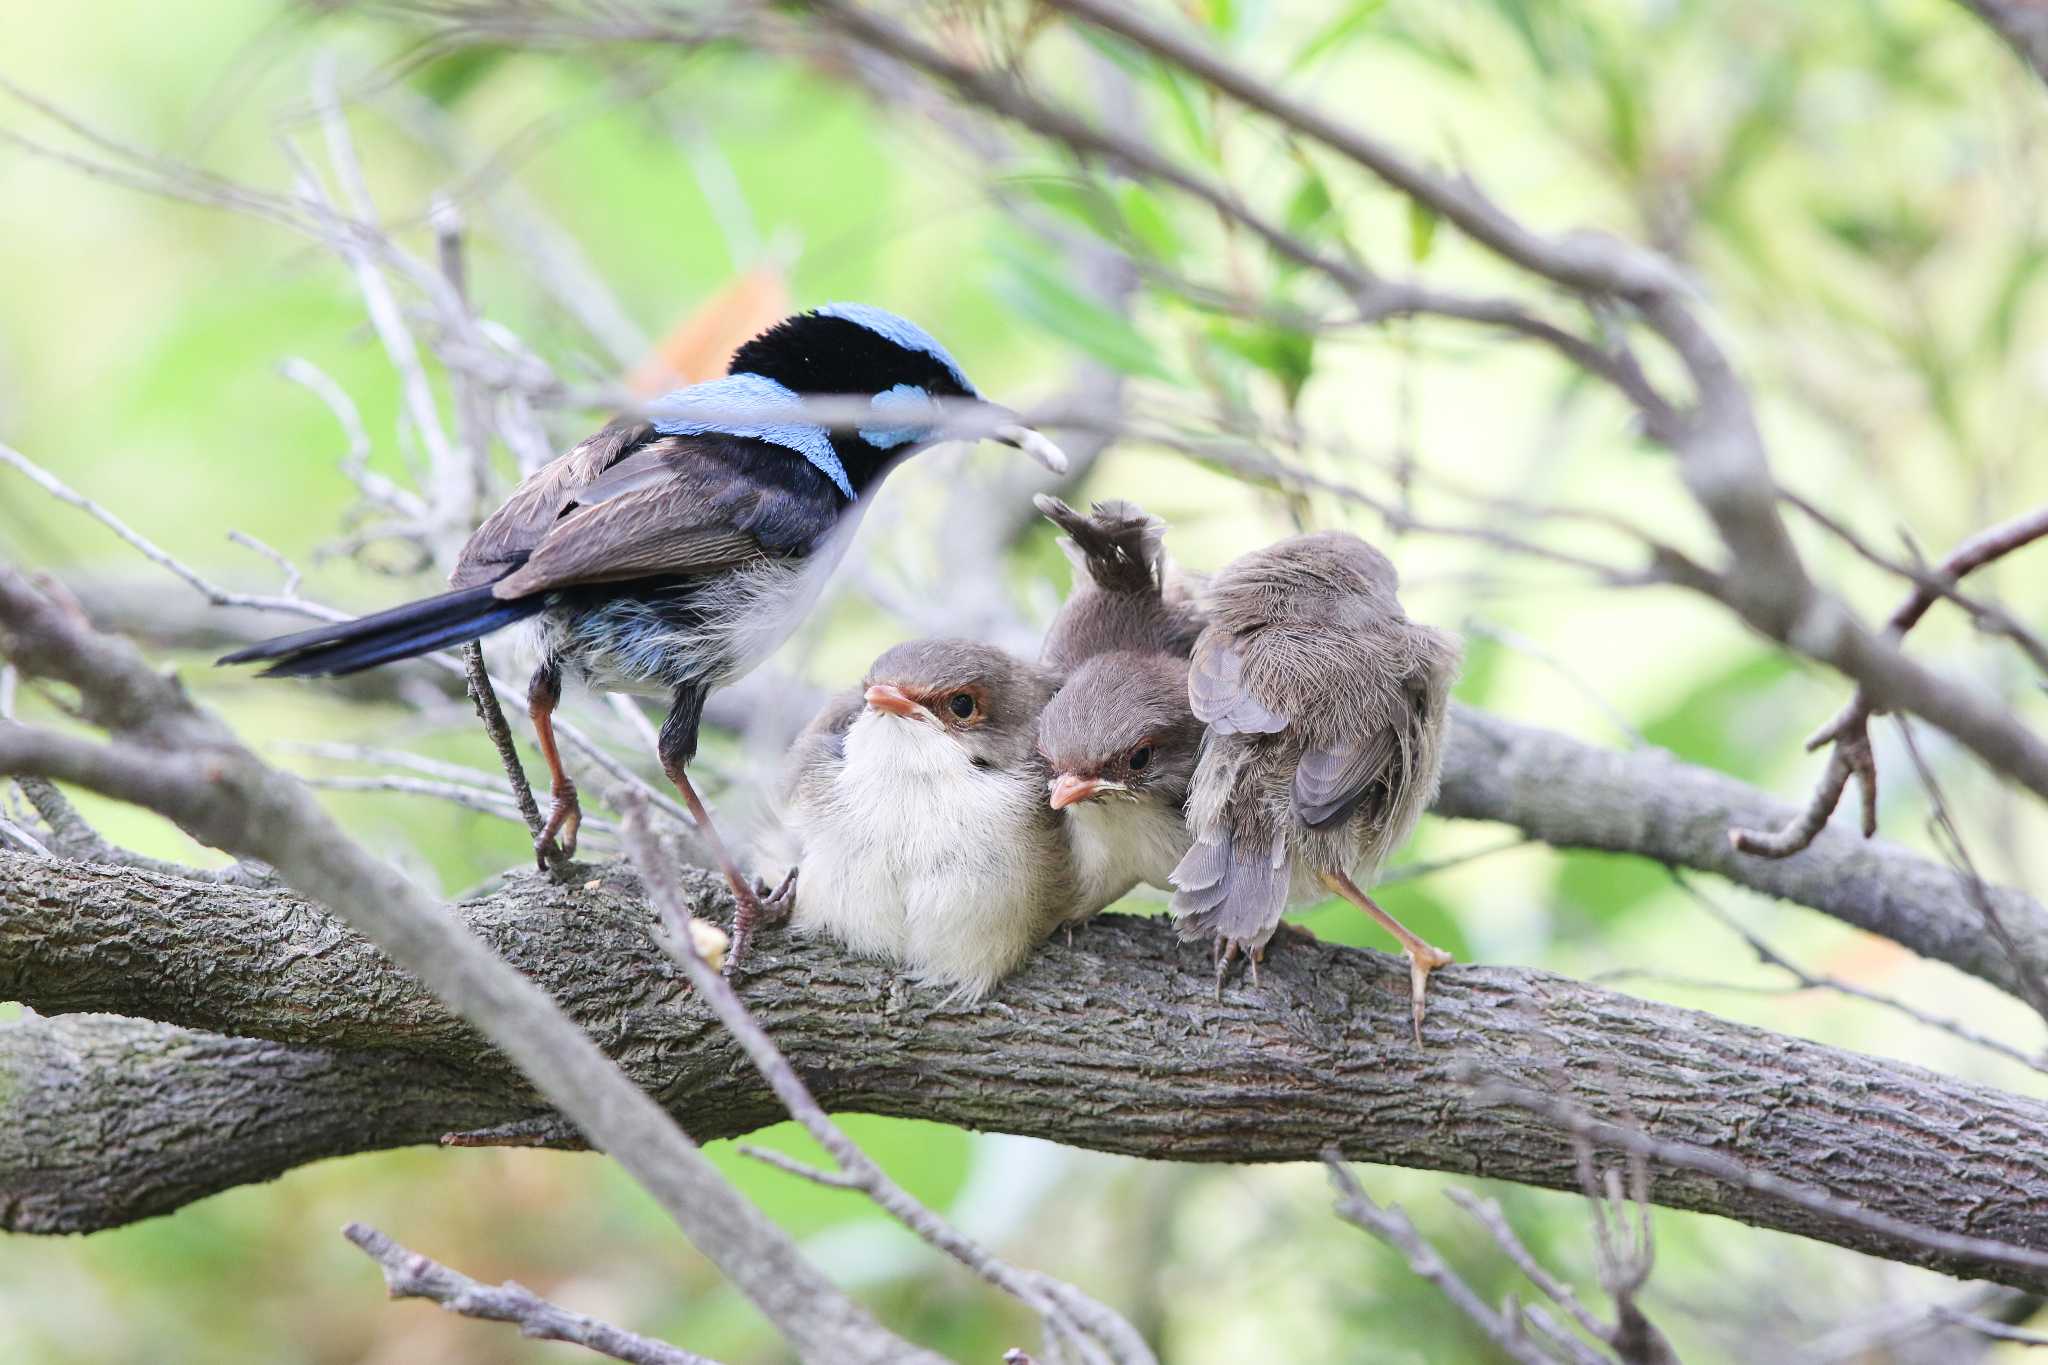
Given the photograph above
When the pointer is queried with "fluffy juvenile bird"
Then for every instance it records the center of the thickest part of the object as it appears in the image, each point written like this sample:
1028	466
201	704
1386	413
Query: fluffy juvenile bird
672	553
919	805
1119	737
1126	595
1325	706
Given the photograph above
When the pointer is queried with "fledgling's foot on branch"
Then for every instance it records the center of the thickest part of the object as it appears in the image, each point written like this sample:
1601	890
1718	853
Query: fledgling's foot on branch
779	904
557	841
1423	958
745	920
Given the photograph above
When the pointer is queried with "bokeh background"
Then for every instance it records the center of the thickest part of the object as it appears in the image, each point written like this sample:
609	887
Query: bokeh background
1856	188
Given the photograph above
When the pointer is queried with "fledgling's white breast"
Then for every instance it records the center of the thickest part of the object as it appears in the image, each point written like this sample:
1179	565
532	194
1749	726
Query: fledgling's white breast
1119	843
915	854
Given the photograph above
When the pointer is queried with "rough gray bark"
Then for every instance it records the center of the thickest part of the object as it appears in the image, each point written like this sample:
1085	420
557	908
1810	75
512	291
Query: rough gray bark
1116	1044
1575	795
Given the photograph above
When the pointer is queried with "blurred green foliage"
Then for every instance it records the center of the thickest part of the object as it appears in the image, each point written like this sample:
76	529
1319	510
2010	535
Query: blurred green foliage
1856	189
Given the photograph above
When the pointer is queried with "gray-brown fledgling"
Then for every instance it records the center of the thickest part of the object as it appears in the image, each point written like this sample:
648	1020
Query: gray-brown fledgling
1119	736
1126	595
1325	706
920	808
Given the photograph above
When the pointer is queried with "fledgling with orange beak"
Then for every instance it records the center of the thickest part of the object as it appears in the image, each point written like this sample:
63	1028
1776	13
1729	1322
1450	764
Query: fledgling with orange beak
1120	738
919	804
1122	745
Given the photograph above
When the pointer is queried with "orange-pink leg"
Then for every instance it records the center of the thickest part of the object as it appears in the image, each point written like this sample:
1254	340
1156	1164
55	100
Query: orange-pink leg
1423	958
557	837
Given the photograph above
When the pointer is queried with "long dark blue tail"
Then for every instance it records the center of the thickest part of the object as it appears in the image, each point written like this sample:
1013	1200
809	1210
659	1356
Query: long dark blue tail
420	627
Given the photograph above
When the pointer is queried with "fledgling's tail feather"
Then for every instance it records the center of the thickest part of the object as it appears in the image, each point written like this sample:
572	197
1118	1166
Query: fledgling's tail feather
1119	544
416	628
1220	895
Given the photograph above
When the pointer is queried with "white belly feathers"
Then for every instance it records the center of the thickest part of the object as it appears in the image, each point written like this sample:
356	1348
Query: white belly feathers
919	856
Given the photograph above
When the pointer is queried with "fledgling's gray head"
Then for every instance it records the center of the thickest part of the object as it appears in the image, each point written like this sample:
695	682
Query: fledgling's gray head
984	699
1121	727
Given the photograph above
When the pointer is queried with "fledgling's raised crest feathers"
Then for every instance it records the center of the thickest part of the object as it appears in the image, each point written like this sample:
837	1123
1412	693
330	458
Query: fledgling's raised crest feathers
1119	545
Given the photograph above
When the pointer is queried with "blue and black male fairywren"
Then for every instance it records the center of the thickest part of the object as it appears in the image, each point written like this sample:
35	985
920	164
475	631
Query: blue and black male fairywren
674	551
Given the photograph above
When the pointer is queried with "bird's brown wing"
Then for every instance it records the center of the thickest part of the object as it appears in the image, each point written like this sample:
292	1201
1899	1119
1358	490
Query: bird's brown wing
511	534
668	506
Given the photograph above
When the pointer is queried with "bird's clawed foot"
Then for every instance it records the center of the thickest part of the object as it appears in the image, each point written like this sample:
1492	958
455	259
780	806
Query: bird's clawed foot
557	840
779	904
1423	958
1226	951
758	906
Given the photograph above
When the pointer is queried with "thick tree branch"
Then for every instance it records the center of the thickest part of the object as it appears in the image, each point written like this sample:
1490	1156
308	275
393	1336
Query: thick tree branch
1116	1044
1555	788
1644	801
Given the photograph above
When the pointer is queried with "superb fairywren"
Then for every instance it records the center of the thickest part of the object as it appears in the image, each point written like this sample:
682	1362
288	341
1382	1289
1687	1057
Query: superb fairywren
673	551
919	803
1326	707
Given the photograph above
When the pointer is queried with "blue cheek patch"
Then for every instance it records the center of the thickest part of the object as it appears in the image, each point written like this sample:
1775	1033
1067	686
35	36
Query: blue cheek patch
720	407
902	400
904	333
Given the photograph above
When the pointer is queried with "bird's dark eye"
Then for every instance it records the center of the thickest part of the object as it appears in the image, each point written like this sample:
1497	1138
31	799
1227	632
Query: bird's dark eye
962	704
1140	756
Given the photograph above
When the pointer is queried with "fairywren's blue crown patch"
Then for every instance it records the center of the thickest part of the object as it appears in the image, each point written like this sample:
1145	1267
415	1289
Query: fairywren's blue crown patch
903	332
720	406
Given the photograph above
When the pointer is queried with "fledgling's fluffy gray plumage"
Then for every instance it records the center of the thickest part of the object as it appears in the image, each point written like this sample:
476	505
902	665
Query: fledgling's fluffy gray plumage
1127	596
1325	706
1119	736
920	808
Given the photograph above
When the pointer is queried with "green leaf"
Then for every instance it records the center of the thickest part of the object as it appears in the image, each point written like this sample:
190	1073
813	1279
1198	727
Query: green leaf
1038	294
1079	201
1349	22
1190	107
1149	221
1283	352
1422	221
1309	209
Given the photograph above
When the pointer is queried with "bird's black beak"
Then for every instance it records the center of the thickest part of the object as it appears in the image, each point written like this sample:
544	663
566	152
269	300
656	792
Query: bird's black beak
1032	443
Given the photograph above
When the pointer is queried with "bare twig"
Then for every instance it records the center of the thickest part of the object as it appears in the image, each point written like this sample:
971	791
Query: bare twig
1809	981
485	698
409	1275
1687	1157
1950	837
1487	1213
154	553
1393	1227
1849	731
1986	1327
1869	1336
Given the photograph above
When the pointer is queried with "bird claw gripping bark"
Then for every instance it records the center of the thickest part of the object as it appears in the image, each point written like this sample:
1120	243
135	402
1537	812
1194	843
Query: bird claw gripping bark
557	840
758	907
